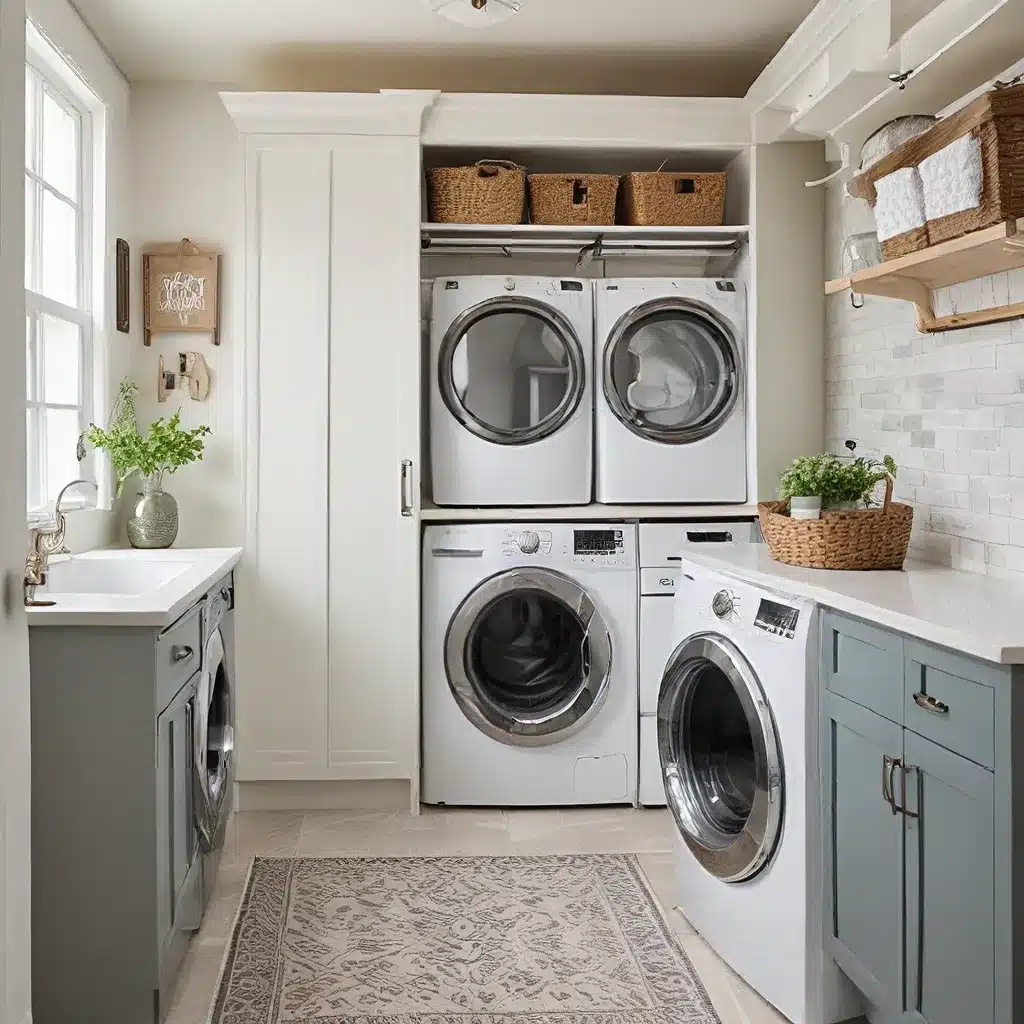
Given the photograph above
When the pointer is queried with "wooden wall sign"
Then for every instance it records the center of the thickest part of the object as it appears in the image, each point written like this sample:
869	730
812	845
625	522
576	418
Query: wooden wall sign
180	291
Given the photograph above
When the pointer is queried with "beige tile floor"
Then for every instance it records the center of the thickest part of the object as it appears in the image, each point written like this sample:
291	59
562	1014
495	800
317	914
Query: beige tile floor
440	832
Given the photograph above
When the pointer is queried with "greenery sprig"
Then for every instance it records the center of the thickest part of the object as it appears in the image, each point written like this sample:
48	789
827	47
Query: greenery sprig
835	480
164	448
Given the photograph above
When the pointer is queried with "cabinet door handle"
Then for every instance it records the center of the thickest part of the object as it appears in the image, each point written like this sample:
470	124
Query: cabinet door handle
181	653
889	766
932	704
406	487
904	768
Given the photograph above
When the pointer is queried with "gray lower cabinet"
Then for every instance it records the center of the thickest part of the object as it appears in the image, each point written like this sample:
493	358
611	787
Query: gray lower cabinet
921	871
117	866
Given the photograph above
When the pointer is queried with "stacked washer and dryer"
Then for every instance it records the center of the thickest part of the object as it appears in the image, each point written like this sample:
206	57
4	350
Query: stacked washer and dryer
553	392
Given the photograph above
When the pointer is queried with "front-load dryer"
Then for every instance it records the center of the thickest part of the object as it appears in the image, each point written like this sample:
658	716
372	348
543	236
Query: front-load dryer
529	665
511	402
670	372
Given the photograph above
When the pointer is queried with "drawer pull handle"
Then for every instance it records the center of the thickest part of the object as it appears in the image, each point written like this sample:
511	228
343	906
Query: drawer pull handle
936	707
181	653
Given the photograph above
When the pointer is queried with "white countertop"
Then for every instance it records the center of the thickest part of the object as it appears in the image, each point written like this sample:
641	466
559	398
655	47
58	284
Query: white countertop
968	612
158	607
587	513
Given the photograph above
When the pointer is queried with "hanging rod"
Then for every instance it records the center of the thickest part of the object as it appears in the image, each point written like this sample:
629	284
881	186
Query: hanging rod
519	247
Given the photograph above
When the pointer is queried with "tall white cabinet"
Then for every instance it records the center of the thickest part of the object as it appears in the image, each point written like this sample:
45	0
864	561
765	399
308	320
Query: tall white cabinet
329	625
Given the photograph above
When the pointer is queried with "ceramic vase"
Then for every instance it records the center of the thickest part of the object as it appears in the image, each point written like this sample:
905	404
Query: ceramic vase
154	523
805	507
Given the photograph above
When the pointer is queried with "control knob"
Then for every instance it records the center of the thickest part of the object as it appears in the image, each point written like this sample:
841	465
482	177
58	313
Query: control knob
723	604
529	542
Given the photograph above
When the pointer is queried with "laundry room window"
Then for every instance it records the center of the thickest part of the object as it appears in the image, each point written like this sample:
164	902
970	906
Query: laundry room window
61	267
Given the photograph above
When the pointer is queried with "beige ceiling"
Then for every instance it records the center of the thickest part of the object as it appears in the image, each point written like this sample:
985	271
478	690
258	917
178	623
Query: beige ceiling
670	47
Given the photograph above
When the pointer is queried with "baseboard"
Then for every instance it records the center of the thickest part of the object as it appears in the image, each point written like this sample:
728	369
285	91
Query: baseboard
355	794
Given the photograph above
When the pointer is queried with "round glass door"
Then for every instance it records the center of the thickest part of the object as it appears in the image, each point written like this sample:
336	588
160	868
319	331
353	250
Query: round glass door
528	657
511	370
720	758
671	371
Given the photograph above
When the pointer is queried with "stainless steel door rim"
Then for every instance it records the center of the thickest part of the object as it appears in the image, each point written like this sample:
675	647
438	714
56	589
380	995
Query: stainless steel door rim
574	697
549	317
728	353
212	740
733	835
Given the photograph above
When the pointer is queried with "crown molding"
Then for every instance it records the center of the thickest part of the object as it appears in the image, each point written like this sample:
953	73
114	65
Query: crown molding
397	112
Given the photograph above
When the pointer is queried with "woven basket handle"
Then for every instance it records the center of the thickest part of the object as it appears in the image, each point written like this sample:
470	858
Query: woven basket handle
504	165
888	494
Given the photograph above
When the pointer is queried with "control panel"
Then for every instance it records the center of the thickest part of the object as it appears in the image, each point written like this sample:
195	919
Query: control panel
777	619
570	545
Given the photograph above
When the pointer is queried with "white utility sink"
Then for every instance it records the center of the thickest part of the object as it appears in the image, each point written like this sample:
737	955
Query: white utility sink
113	576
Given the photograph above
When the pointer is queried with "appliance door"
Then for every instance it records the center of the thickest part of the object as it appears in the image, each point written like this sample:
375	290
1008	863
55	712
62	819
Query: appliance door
212	741
528	657
720	757
672	371
511	370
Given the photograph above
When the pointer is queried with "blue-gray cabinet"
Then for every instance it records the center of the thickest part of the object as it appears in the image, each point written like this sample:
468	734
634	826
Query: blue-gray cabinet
918	800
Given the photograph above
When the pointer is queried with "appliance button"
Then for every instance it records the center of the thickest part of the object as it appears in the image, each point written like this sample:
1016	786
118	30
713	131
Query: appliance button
722	604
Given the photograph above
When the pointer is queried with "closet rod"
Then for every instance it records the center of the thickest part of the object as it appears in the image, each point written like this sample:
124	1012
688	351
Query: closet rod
468	248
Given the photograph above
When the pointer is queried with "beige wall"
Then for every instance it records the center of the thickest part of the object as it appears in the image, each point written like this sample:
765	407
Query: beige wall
187	180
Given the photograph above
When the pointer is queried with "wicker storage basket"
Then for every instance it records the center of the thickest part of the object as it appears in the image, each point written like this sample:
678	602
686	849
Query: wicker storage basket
866	538
573	198
673	200
996	119
488	192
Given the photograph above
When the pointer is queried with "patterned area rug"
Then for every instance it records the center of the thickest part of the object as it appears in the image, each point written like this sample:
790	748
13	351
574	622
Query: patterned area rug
455	940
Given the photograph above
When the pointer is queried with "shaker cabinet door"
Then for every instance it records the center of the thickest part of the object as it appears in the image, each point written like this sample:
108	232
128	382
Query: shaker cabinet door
950	887
863	848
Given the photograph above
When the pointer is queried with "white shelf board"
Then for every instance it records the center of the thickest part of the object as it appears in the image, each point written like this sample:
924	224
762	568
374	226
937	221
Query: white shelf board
618	234
585	513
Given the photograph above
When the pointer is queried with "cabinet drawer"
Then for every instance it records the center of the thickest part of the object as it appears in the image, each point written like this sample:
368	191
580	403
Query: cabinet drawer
178	655
864	664
950	699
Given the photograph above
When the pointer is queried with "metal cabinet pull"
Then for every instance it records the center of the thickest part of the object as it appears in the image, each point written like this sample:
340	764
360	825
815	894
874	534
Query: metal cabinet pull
406	490
932	704
888	772
904	768
181	653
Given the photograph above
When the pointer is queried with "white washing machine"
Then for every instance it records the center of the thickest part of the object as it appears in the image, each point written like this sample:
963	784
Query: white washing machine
662	546
511	403
670	382
529	665
738	738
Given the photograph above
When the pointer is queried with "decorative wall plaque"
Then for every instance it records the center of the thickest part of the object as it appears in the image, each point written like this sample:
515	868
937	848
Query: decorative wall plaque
180	291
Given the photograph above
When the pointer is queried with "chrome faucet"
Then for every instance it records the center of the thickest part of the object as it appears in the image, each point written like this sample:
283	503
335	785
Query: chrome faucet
44	542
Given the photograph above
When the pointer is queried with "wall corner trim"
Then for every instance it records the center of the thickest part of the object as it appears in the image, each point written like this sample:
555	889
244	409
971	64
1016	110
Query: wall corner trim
389	113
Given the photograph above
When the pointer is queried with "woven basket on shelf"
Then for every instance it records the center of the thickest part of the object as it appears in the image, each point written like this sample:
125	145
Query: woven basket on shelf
865	538
668	199
573	198
488	192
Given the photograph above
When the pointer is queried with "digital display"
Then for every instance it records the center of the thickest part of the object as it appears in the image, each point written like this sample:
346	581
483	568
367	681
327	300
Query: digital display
775	618
596	542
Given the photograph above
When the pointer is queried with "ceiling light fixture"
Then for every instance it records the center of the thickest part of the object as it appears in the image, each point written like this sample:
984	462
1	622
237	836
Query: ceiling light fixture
474	13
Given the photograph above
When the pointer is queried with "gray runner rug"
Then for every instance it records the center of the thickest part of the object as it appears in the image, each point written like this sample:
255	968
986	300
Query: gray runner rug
455	940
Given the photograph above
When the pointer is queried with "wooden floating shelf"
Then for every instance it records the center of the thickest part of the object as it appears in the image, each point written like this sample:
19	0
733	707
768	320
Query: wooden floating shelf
915	276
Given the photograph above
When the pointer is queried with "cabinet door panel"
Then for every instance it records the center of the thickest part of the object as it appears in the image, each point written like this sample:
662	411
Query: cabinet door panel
864	664
863	849
950	887
375	427
282	624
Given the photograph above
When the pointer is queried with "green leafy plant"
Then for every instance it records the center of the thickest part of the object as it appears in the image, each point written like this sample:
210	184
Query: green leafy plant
834	480
164	448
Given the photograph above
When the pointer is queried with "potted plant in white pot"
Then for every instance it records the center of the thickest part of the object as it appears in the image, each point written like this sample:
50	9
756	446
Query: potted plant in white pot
163	449
803	485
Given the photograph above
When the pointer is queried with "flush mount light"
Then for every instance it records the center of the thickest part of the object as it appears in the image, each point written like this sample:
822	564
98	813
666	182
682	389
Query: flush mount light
474	13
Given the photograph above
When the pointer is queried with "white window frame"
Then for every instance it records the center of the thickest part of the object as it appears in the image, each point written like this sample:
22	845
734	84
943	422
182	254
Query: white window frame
65	86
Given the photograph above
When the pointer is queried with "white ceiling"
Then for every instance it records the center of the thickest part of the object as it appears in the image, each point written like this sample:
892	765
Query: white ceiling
701	47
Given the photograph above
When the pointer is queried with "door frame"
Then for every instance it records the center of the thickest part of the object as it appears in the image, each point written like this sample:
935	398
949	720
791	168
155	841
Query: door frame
15	746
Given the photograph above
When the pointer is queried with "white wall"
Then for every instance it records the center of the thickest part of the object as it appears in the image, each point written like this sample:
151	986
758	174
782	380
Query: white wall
15	923
948	407
187	175
58	21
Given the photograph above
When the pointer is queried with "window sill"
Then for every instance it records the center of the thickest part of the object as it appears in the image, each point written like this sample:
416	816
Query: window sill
44	517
